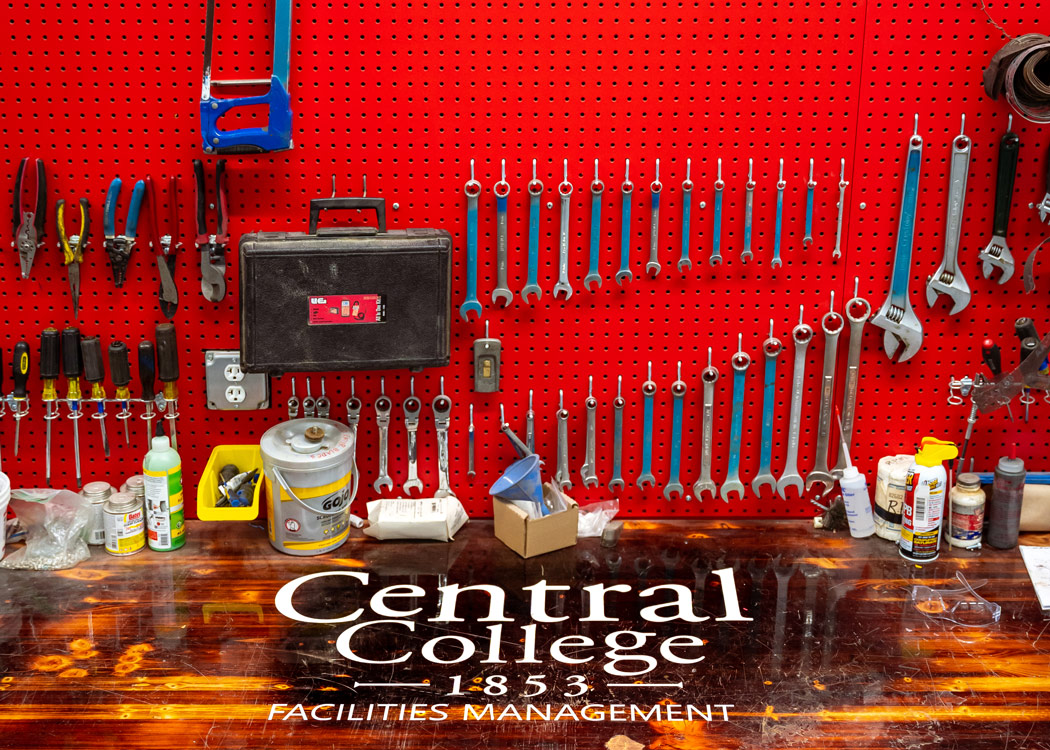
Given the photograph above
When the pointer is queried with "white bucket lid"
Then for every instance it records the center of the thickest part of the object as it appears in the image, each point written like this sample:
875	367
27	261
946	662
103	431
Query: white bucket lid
307	444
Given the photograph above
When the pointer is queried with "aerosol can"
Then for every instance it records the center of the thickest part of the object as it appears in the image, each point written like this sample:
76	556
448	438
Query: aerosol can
924	498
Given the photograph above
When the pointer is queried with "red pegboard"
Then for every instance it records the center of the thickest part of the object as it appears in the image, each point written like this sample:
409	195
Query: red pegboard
405	94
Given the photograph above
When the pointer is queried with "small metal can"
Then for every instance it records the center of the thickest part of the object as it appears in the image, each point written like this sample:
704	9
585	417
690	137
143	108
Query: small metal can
125	524
135	485
97	493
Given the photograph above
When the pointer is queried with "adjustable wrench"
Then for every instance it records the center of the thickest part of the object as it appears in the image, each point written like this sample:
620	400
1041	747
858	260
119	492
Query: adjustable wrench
687	209
442	406
832	325
709	376
565	191
648	392
749	207
837	252
626	191
535	189
857	312
948	279
470	304
771	348
997	254
716	239
655	188
781	184
383	406
617	482
741	361
412	407
530	426
593	276
562	476
587	471
801	334
674	484
501	189
811	186
903	329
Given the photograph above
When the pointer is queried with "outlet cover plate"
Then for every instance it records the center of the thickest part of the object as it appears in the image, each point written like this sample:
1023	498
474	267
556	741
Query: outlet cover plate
256	385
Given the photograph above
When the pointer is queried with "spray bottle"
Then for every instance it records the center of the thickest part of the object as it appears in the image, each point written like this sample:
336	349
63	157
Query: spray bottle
925	492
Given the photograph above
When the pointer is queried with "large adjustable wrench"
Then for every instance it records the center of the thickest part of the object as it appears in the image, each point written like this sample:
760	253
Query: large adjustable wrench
771	348
857	312
587	471
801	334
383	407
903	335
741	361
565	191
997	255
535	188
617	482
646	478
832	325
442	406
412	406
563	476
709	376
655	188
501	189
948	279
674	483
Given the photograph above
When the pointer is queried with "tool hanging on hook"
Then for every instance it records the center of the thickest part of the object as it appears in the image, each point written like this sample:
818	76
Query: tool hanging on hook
119	246
72	246
29	216
212	247
164	246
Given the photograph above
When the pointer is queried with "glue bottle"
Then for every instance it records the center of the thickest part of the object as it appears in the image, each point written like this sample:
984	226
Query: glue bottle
925	491
855	495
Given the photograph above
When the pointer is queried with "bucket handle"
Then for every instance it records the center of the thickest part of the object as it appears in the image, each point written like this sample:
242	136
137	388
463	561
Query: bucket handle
355	521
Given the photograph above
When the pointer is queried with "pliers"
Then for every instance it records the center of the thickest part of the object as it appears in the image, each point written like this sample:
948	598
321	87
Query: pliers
72	246
29	217
212	246
165	245
119	246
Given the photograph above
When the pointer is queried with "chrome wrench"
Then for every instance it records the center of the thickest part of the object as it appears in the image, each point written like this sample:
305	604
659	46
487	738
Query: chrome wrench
470	444
832	325
293	403
771	348
593	276
626	191
687	210
617	482
412	407
781	184
646	478
587	472
801	334
323	403
811	186
353	418
309	403
530	426
903	330
709	376
563	476
857	312
837	252
674	483
442	406
655	188
532	286
716	239
948	279
383	406
749	207
470	304
741	361
501	190
565	191
997	255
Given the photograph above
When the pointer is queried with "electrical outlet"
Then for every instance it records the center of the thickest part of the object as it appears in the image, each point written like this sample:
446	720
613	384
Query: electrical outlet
229	387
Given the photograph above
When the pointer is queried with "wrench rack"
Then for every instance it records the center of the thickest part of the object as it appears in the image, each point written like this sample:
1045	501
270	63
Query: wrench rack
407	95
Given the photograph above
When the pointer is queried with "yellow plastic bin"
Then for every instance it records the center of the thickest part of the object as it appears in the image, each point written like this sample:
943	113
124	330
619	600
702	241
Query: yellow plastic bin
245	458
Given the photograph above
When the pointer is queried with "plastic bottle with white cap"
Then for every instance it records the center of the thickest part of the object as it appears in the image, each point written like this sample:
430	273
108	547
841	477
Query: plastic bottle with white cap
855	496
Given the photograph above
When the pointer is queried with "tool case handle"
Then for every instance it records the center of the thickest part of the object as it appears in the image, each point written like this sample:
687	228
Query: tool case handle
323	204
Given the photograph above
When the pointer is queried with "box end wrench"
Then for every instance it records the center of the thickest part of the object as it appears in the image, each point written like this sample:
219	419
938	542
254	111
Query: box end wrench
383	406
832	325
771	349
563	476
857	312
470	304
412	406
565	192
997	255
442	407
716	234
501	190
535	189
655	188
948	279
617	482
646	478
587	471
801	334
709	376
740	362
674	485
593	276
626	192
749	208
684	264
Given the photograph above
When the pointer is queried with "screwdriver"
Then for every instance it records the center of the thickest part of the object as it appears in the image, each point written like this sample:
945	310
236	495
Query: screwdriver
120	371
95	373
20	397
147	374
71	368
994	359
49	371
168	372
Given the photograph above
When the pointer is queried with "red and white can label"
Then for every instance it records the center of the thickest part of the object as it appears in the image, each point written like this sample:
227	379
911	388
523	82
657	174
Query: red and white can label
347	309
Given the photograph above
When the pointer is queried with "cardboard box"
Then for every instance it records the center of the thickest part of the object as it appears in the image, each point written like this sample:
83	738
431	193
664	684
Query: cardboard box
530	537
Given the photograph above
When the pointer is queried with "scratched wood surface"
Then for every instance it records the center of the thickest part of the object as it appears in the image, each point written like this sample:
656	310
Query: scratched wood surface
186	650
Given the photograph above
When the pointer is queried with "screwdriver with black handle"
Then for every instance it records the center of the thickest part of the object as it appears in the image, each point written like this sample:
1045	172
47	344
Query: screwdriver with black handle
95	373
20	396
120	372
147	376
49	372
168	372
993	358
71	368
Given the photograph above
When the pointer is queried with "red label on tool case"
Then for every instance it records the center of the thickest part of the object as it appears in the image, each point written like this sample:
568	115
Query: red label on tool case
346	309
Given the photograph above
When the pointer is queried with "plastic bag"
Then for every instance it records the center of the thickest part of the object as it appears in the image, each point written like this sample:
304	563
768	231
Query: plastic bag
595	517
54	521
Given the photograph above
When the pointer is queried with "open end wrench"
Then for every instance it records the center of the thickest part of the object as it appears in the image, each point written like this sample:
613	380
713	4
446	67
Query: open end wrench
674	484
832	325
626	192
903	336
778	230
565	191
587	472
811	186
646	478
383	406
741	361
501	189
771	349
597	189
841	206
530	426
617	482
716	238
655	188
563	477
412	406
857	312
353	418
749	208
442	406
948	279
470	304
801	334
687	210
532	286
709	376
997	255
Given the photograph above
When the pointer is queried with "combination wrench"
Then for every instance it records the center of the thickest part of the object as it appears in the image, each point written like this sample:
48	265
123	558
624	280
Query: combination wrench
563	477
587	471
293	403
442	406
565	191
309	403
323	403
470	443
997	255
626	193
530	426
771	348
837	252
948	279
687	210
857	312
674	483
383	407
655	188
832	325
749	208
811	187
535	188
645	478
470	304
801	334
709	376
501	190
593	276
412	406
741	361
781	184
353	418
716	238
617	482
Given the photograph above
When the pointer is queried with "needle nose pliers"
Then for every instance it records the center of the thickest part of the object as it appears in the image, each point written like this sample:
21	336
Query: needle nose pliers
72	246
29	216
119	246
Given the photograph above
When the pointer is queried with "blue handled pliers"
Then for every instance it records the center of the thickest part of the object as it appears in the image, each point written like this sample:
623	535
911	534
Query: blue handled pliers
119	246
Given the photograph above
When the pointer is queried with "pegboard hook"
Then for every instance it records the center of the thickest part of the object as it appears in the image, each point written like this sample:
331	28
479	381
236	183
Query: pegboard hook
442	392
590	386
596	171
688	170
627	171
412	386
619	386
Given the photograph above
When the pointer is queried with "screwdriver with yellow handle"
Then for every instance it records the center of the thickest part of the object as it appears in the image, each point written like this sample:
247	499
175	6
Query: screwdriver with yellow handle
20	396
71	368
49	371
120	372
94	373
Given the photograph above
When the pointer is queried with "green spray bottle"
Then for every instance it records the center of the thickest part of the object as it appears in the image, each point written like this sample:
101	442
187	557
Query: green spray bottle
162	470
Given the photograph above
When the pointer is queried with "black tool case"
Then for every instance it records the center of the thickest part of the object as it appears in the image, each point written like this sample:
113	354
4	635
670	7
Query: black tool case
355	298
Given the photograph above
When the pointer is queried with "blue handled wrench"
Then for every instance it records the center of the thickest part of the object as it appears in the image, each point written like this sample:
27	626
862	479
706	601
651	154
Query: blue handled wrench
501	189
471	305
741	361
776	263
811	186
646	478
687	209
716	239
535	191
626	190
597	188
771	348
674	484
